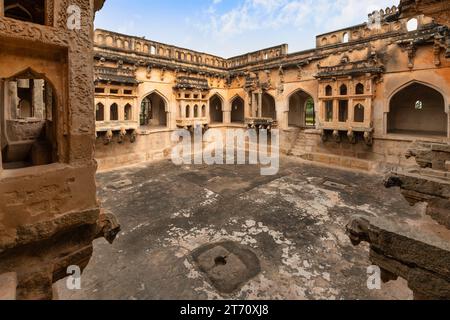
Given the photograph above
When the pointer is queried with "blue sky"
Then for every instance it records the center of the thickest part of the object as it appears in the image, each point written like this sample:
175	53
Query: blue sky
233	27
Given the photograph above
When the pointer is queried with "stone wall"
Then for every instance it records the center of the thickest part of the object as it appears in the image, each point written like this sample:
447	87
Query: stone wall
49	214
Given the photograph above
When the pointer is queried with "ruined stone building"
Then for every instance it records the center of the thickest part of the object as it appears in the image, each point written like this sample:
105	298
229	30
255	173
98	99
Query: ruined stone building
357	100
49	213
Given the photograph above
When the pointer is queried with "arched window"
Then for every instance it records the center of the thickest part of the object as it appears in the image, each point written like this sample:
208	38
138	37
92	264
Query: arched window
343	110
215	109
114	112
359	113
203	111
268	107
128	112
237	110
324	41
359	88
329	111
328	91
188	111
345	38
412	25
100	112
196	111
29	11
152	50
33	107
343	90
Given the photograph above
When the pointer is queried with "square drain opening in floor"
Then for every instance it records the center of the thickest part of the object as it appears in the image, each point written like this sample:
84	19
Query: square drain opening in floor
228	265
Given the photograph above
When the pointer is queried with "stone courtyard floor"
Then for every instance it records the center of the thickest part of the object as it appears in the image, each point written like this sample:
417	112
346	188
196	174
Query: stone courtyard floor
293	222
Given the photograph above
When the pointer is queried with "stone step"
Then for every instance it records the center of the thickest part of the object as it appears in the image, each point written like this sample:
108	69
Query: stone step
340	161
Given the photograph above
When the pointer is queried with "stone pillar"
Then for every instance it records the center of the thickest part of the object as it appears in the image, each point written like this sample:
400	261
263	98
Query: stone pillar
48	101
260	96
227	113
121	110
282	114
227	117
38	98
2	8
351	111
252	104
107	110
335	111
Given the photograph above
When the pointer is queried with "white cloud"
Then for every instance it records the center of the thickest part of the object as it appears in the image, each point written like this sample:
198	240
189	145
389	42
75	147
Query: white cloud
251	15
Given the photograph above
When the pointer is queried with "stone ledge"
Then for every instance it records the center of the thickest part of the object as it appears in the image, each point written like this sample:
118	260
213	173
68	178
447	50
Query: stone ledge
420	253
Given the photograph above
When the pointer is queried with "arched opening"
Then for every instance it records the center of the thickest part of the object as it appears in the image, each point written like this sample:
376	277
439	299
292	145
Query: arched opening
359	113
188	111
28	121
412	25
203	111
301	110
114	112
343	90
100	112
215	109
329	110
128	112
25	10
237	110
343	110
345	37
153	111
359	88
196	111
418	110
328	91
268	107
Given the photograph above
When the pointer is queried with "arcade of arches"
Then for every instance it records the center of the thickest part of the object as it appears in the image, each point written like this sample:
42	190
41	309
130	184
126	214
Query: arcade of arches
330	100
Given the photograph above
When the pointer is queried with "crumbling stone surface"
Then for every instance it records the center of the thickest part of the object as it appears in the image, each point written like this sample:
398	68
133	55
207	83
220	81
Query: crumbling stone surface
49	212
419	253
421	257
430	155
